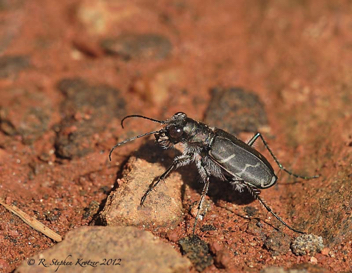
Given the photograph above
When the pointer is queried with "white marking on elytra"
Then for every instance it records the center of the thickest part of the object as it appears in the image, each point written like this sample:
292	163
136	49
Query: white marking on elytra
227	159
247	166
263	183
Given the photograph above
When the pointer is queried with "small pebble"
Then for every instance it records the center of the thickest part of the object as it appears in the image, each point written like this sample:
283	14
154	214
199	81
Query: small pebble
307	244
325	251
313	260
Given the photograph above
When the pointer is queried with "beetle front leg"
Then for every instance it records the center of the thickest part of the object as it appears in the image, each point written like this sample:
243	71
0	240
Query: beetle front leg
255	137
178	162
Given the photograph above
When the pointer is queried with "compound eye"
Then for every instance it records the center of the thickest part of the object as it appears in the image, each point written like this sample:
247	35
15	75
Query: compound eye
175	132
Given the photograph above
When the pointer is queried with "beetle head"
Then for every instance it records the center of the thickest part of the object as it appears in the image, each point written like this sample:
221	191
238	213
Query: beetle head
172	133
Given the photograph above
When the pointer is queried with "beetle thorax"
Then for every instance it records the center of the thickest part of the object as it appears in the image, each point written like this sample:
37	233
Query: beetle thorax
187	131
198	133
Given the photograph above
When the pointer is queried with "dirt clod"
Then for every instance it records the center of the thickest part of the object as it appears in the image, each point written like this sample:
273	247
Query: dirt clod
236	110
278	243
25	113
205	228
11	65
138	46
197	251
88	109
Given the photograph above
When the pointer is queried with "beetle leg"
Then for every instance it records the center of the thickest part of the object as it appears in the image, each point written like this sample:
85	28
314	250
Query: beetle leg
238	184
203	173
200	204
255	137
255	192
179	161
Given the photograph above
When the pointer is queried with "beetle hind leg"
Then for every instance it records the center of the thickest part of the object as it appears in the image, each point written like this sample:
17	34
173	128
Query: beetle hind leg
255	192
259	135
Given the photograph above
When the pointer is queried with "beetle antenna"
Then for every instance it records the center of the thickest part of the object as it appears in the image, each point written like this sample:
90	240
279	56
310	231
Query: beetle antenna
133	138
128	140
140	116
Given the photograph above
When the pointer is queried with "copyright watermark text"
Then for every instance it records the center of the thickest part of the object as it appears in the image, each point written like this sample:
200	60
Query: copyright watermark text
71	261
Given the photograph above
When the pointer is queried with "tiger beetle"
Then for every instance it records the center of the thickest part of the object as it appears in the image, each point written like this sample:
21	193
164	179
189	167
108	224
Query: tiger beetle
215	153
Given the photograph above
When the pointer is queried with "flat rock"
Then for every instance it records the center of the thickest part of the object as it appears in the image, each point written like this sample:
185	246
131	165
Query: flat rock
162	207
108	249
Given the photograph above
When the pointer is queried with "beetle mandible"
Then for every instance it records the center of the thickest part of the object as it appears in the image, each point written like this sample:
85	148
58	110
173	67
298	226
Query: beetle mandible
215	153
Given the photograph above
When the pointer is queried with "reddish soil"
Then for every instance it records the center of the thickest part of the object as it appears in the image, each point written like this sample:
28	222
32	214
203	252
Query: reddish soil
70	70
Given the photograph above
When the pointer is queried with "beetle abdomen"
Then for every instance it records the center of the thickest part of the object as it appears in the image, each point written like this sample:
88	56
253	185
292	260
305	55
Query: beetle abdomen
242	163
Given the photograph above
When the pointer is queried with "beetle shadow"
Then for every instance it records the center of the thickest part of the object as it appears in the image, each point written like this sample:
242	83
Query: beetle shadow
218	189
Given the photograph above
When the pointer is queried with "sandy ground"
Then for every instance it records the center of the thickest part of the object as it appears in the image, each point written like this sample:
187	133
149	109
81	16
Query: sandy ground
71	70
